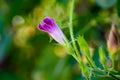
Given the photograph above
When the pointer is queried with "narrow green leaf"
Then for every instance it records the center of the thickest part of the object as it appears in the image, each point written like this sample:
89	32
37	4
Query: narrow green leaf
103	58
84	46
85	51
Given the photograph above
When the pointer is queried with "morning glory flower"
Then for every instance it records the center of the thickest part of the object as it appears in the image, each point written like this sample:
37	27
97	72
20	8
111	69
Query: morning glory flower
49	26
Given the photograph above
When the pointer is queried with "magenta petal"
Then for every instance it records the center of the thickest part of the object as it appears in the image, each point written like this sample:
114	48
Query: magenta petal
40	27
48	21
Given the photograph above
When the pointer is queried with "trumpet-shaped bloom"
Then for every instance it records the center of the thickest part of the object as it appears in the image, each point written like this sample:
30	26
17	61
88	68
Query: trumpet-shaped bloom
49	25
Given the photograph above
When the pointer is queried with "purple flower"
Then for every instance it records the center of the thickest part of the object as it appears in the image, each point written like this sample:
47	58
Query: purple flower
49	25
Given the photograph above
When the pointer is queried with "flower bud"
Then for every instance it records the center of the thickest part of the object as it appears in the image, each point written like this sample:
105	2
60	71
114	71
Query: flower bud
49	25
113	40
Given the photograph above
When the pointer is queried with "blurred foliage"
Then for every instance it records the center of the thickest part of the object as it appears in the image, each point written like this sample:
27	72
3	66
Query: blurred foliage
106	3
118	7
27	54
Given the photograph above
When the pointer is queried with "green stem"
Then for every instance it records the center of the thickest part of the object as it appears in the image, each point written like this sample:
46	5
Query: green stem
112	60
71	31
71	13
76	55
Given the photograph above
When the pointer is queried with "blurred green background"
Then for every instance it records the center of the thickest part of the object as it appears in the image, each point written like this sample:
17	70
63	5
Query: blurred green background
29	54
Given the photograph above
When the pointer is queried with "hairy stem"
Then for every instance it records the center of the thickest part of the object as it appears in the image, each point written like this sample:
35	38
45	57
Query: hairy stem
71	31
